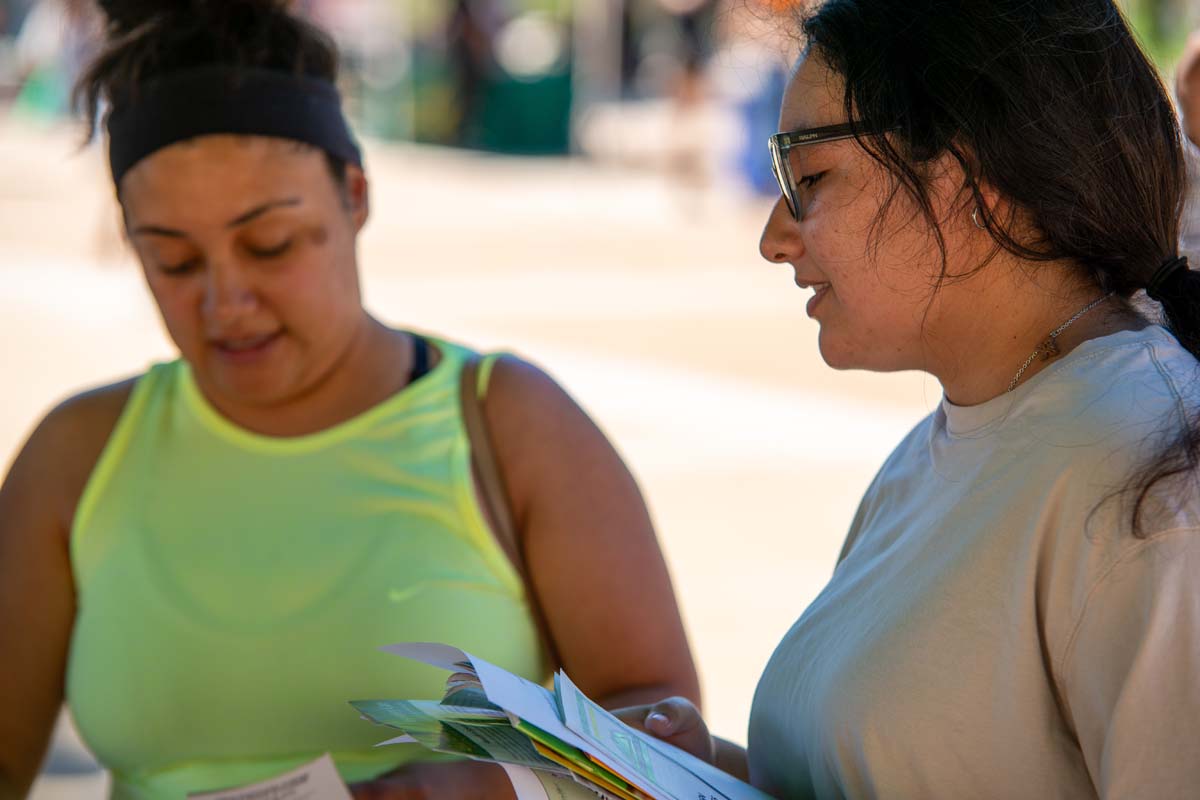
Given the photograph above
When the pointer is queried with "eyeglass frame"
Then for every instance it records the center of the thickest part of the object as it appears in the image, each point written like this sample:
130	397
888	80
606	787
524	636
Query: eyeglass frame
780	143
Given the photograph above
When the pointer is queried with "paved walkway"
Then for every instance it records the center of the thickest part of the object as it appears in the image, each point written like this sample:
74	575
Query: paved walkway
648	302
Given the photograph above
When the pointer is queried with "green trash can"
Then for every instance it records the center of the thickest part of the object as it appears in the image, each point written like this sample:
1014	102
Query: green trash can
525	117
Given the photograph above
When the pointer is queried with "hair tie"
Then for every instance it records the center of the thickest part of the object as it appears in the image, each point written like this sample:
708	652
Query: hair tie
1169	269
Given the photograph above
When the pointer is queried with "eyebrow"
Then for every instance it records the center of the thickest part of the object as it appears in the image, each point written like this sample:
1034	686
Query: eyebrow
260	210
241	219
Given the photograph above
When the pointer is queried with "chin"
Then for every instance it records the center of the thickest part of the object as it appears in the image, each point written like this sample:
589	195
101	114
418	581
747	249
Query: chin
835	354
841	355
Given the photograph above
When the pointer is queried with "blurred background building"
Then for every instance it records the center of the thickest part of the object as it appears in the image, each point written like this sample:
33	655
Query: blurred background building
675	85
686	86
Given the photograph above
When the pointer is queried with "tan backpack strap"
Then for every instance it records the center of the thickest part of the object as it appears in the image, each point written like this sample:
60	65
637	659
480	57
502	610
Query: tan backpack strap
495	496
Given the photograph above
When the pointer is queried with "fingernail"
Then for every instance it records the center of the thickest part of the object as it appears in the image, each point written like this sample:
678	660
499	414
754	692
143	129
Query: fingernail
658	718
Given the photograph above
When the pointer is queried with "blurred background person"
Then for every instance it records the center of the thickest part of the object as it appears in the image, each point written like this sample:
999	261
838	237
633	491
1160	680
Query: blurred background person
469	44
1187	90
12	15
54	40
688	159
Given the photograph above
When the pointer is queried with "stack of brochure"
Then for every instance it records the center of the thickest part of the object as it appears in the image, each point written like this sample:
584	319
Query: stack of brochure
553	744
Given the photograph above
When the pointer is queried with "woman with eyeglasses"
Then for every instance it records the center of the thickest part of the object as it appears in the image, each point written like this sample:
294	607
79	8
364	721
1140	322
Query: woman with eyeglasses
990	192
205	560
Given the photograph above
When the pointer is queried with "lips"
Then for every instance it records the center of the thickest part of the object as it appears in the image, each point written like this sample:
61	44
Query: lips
240	343
244	346
820	291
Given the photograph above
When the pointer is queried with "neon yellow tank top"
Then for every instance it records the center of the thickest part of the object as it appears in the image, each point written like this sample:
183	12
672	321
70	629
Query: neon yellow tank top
234	589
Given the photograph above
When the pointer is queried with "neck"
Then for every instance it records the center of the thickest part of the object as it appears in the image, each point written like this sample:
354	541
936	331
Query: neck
983	345
374	365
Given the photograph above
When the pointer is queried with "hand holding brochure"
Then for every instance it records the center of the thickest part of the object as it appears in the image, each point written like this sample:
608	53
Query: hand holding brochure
554	744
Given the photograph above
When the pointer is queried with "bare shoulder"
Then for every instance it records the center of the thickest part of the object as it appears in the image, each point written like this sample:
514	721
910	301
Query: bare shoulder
94	408
59	456
543	439
518	388
532	417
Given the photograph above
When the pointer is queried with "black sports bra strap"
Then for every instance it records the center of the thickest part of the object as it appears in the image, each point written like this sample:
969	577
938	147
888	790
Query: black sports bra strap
420	358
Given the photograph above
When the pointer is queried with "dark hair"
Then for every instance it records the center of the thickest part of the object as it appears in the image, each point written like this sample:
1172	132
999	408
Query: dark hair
1055	105
148	39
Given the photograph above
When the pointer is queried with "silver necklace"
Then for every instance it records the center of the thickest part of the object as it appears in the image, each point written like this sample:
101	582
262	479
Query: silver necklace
1048	349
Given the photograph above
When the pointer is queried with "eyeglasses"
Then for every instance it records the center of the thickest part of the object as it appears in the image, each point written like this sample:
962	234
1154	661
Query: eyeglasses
782	143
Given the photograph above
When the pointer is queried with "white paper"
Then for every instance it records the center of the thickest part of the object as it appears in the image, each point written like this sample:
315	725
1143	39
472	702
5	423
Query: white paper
644	760
533	703
405	739
720	780
431	653
535	785
316	780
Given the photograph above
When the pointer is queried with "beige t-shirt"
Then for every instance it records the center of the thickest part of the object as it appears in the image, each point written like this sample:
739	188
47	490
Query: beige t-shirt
993	630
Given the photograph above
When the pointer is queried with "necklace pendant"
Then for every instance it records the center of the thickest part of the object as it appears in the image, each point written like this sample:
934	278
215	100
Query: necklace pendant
1048	349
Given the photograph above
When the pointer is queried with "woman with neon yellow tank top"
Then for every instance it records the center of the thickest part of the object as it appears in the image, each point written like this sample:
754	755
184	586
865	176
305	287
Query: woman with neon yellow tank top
204	560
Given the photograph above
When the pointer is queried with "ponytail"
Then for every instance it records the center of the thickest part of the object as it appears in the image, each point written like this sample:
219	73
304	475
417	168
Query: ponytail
1177	289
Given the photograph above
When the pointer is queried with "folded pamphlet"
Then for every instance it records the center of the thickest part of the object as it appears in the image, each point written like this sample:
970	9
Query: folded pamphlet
554	745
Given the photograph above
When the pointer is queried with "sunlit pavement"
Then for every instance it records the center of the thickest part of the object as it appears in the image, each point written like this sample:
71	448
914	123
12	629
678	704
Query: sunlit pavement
646	298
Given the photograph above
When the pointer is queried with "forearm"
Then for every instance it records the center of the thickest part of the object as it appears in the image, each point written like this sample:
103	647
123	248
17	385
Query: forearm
731	758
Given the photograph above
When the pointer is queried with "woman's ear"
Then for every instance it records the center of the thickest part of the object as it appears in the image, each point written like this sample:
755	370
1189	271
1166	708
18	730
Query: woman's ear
992	199
357	195
955	186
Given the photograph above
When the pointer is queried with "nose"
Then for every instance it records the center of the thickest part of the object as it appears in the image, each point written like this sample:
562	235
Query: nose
780	240
228	293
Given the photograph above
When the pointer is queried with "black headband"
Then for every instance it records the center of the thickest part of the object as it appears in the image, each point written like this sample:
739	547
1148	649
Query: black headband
1168	270
222	99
